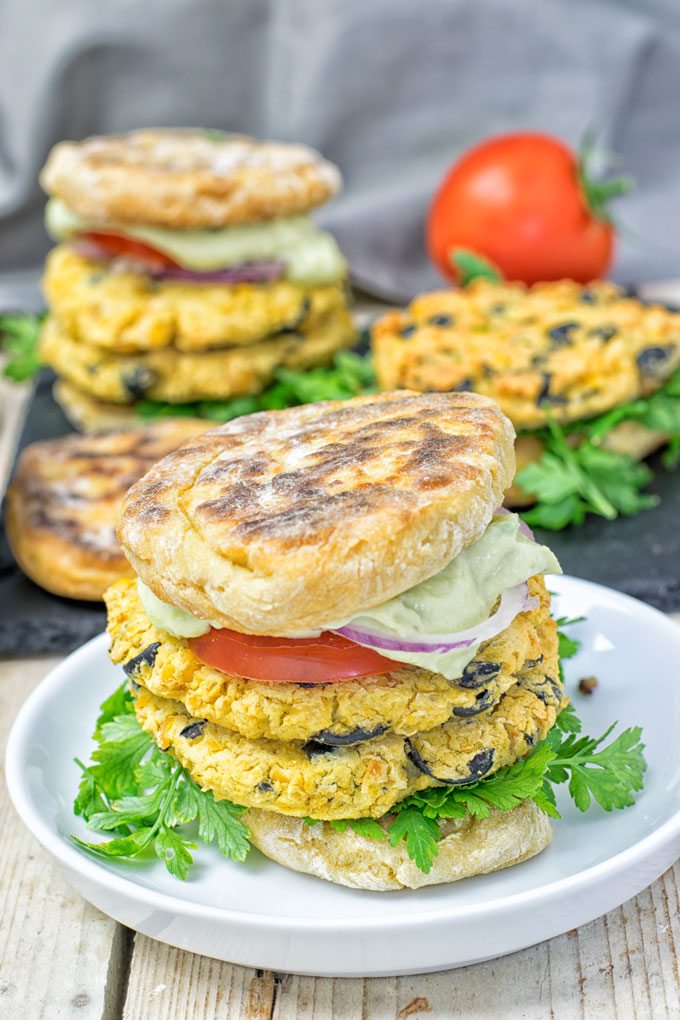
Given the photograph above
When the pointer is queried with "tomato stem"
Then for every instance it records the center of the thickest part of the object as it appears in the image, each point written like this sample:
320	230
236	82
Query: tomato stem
598	194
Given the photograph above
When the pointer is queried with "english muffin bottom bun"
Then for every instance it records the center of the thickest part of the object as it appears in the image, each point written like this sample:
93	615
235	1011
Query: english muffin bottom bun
332	623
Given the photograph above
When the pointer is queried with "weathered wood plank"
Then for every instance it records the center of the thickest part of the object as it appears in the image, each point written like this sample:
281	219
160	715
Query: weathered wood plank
620	967
56	951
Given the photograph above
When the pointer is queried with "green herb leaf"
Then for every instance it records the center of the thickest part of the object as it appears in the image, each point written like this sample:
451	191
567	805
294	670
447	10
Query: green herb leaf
421	835
218	820
367	827
471	266
173	850
19	338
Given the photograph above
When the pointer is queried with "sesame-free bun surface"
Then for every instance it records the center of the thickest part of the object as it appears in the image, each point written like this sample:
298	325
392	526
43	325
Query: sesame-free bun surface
63	502
468	847
288	521
187	178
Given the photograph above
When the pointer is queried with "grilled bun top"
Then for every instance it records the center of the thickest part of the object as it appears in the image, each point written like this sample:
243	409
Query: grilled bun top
186	178
286	521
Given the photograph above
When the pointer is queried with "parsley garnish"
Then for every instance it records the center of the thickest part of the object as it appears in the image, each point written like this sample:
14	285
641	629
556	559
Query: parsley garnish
350	375
145	798
571	481
19	336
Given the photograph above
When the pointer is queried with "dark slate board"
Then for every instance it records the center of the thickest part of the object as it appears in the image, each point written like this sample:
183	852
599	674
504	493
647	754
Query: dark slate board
639	555
32	621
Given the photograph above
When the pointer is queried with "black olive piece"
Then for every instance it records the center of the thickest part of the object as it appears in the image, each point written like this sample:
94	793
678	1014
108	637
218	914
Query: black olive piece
194	729
530	663
357	736
548	691
265	787
146	657
588	297
530	738
292	327
484	699
309	686
478	766
477	674
312	748
497	309
545	396
603	333
139	381
407	331
464	386
134	686
561	335
653	361
441	320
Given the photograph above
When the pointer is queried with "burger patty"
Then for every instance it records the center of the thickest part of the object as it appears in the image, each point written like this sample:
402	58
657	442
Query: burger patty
555	350
130	313
407	700
308	779
176	376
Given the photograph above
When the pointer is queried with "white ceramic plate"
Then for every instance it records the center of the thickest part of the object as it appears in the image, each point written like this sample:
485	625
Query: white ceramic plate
261	915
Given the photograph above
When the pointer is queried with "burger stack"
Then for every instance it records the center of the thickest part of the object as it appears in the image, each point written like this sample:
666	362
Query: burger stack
188	270
330	615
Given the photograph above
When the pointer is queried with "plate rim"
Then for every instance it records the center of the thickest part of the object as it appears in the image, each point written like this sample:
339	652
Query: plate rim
73	859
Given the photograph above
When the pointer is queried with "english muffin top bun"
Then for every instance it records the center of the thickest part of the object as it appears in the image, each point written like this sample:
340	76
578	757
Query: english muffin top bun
187	178
283	522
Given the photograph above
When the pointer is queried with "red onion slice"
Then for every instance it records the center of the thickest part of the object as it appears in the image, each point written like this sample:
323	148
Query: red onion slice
514	601
247	272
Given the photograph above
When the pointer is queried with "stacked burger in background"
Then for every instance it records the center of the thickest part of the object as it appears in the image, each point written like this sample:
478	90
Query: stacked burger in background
188	270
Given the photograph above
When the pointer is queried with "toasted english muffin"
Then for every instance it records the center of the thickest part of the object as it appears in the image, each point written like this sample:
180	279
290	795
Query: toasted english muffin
555	350
404	700
361	781
177	376
286	521
468	847
126	312
187	178
63	502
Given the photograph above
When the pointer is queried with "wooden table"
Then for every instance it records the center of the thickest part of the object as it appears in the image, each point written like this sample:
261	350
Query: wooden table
61	958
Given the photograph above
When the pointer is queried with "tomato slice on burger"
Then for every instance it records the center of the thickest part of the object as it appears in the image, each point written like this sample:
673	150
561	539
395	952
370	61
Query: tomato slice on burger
324	659
117	245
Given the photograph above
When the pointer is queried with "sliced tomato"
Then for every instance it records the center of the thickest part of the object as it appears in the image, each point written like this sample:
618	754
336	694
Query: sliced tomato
318	660
119	245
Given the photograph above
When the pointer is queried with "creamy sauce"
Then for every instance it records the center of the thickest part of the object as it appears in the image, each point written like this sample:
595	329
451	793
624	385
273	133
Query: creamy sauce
311	256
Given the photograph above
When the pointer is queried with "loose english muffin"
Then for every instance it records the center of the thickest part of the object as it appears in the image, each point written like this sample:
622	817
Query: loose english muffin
468	847
177	376
63	502
127	312
187	178
362	781
554	349
286	521
405	700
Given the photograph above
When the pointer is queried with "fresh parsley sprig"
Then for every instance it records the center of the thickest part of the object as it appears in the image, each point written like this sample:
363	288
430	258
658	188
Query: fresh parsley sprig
146	799
577	475
19	336
350	375
608	774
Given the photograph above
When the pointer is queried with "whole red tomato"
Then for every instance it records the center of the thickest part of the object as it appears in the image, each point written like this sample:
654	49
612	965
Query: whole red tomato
523	202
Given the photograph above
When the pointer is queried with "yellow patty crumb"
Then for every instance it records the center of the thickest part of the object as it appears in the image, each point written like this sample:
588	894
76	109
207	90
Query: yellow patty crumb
177	377
352	782
406	700
127	312
555	349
